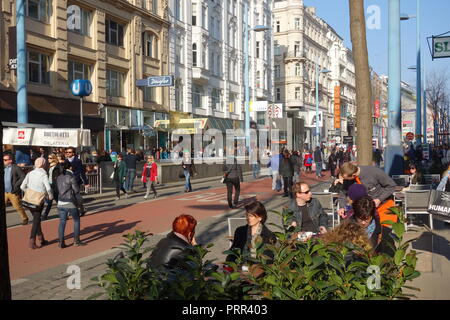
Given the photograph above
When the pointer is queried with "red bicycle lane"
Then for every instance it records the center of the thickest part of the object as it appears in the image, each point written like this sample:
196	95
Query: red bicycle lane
103	230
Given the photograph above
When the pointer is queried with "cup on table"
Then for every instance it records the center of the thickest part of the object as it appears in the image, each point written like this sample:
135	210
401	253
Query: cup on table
326	190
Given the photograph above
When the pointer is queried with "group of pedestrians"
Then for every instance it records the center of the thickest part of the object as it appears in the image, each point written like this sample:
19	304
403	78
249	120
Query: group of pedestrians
57	179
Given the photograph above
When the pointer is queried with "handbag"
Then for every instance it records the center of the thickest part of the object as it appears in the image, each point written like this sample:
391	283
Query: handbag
181	173
33	199
439	204
225	175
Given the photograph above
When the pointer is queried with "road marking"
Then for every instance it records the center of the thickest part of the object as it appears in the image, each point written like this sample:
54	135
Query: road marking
94	256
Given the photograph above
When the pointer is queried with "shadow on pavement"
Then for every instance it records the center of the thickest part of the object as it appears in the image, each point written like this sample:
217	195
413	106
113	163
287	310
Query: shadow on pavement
434	243
103	230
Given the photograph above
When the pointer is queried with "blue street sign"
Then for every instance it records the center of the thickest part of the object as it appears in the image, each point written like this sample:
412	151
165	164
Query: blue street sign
157	81
81	88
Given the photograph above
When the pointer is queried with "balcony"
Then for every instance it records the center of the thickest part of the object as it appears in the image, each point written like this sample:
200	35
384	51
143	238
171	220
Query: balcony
200	75
295	56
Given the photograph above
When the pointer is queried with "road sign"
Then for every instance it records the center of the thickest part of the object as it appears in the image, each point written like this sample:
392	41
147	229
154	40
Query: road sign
158	81
410	136
81	88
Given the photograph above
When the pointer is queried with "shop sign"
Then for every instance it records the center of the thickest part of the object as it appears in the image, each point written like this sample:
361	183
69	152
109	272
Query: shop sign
275	111
337	107
46	137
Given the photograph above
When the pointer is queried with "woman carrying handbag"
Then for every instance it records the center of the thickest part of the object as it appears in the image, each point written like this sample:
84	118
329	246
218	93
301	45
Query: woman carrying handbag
36	188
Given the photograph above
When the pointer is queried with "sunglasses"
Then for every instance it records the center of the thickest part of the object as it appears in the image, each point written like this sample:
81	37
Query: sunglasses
305	192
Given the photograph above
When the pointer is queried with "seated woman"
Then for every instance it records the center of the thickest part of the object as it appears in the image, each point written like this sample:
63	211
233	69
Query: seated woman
172	248
416	175
250	237
365	215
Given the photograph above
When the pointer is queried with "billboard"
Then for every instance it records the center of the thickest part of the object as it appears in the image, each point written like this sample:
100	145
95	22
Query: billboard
337	107
310	119
376	109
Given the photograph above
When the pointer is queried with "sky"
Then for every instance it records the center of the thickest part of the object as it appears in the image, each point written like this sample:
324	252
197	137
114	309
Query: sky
434	21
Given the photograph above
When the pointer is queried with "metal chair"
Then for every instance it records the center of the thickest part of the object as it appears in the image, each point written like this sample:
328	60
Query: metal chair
233	224
401	179
416	202
326	200
432	179
420	187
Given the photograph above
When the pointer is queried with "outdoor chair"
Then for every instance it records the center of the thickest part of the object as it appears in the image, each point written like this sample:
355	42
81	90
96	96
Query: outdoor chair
420	187
326	200
233	224
416	202
401	179
432	179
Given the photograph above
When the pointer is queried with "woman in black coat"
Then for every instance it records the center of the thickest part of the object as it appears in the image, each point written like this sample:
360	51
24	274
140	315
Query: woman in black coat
251	237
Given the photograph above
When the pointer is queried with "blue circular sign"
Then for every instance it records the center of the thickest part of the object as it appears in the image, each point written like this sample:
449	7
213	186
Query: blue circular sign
81	87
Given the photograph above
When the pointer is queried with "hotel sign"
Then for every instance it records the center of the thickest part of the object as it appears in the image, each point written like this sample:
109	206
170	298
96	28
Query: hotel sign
157	81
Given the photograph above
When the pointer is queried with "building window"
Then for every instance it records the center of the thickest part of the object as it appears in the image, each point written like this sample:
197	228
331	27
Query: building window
150	94
297	23
39	9
194	14
232	105
219	65
114	83
78	70
297	93
298	70
85	23
179	51
204	17
114	33
194	54
215	100
155	6
149	45
178	95
178	9
278	94
38	68
261	117
197	96
258	79
257	49
277	71
278	26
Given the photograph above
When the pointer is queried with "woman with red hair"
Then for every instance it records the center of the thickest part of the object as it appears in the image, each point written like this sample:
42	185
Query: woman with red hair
171	249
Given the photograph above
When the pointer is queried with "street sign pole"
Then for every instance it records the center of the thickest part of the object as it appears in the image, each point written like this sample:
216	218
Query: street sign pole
81	112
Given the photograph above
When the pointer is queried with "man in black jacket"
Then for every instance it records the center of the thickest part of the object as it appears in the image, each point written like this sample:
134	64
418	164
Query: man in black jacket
309	215
13	178
78	173
232	172
130	160
287	165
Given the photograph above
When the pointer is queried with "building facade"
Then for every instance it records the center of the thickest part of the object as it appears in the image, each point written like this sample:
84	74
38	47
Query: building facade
110	43
207	59
303	44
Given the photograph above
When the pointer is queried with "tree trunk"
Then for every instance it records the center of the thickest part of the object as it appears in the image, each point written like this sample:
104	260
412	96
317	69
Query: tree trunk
5	283
364	122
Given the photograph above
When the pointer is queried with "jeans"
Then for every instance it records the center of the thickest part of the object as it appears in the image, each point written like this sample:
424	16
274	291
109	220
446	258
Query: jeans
255	170
150	185
36	229
130	175
287	186
187	184
63	213
233	182
119	186
296	177
318	168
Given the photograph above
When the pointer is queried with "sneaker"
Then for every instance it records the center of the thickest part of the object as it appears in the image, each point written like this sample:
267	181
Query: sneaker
126	195
117	198
62	245
145	198
79	243
155	196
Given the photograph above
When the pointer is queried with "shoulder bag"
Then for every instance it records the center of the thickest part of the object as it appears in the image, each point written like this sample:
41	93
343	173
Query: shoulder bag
225	176
33	199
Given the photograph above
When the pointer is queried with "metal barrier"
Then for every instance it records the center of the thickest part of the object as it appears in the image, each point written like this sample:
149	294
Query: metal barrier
94	176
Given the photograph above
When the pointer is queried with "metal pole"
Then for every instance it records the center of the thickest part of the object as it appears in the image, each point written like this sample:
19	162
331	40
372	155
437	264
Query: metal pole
317	105
418	80
22	103
394	150
81	113
425	117
246	77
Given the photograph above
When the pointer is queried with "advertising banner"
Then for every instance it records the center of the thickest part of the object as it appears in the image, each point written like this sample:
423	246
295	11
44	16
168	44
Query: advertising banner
258	106
47	137
376	109
275	111
337	107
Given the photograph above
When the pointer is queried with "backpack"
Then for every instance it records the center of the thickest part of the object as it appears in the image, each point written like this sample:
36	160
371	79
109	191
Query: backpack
309	161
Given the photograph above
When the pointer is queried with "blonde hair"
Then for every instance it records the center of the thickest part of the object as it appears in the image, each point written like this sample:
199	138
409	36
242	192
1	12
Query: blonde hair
348	232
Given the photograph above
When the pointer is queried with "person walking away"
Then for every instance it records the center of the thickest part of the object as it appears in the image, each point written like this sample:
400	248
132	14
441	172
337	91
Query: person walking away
232	172
53	172
318	161
68	193
150	176
37	181
188	167
13	178
377	158
297	160
119	175
130	172
332	162
308	161
79	174
287	172
274	165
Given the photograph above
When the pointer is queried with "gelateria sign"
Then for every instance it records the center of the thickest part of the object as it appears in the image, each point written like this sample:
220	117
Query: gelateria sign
47	137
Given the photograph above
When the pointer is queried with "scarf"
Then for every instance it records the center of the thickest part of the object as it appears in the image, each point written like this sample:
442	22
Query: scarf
250	245
371	228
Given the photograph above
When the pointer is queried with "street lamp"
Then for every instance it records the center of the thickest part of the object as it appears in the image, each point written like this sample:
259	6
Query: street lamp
317	101
258	28
404	17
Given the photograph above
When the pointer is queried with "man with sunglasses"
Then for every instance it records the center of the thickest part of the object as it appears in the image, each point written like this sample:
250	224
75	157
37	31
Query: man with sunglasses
309	215
13	178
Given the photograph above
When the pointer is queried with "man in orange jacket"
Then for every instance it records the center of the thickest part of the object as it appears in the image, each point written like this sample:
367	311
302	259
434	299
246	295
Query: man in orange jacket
379	185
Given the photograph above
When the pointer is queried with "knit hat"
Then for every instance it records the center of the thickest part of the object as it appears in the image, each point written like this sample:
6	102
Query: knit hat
356	191
40	162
